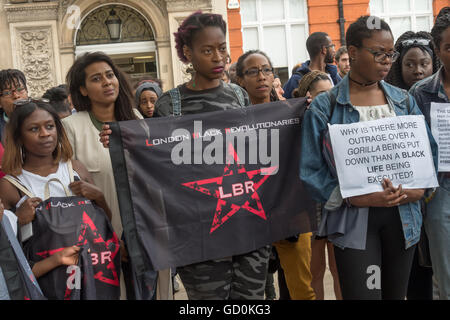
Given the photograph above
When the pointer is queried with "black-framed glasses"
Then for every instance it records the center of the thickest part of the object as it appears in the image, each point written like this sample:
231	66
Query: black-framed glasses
253	72
419	41
8	93
330	45
22	102
380	56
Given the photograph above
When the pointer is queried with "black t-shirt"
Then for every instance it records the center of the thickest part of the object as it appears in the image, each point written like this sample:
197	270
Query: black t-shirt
220	98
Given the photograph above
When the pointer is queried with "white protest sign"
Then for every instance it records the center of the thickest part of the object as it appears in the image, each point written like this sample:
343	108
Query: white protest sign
397	148
440	127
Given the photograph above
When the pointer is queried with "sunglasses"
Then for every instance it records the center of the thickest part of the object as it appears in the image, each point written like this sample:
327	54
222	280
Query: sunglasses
410	42
22	102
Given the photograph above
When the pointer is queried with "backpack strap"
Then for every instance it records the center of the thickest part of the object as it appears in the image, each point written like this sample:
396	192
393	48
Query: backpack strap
238	92
176	101
16	183
70	168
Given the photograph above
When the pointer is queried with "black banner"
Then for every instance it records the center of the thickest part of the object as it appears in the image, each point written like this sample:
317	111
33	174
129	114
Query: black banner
61	222
210	185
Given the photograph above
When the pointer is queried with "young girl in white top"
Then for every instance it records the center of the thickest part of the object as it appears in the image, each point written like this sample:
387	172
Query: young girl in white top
37	150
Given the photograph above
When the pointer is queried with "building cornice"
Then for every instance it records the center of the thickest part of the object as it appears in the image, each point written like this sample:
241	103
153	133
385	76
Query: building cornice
188	5
33	11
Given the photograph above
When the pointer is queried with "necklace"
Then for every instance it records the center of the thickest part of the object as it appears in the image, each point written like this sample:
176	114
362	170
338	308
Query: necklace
362	84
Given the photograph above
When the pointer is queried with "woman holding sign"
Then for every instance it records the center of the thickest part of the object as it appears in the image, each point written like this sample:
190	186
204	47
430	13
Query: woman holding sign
375	231
434	92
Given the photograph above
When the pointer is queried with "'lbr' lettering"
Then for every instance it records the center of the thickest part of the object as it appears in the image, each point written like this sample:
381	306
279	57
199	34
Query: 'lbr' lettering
237	189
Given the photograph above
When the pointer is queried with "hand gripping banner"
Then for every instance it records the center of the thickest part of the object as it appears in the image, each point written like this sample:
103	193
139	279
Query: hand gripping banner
210	185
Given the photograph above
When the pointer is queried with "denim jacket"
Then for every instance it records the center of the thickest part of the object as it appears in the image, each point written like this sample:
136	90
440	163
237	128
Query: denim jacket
314	171
430	90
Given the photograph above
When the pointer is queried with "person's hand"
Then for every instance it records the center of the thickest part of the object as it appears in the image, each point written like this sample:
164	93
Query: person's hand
413	195
104	135
67	256
87	190
389	197
27	210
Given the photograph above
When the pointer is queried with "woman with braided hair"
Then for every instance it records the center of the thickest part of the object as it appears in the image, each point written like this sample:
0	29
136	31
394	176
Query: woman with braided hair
315	82
310	86
437	220
417	60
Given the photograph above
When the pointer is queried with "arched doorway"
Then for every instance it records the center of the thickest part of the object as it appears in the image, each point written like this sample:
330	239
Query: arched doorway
124	34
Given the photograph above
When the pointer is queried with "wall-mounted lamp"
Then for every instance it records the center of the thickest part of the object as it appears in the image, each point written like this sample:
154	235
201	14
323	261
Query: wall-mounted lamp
114	25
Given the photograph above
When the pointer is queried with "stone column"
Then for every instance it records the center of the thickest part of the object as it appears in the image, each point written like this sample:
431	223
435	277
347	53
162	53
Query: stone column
67	57
164	62
5	43
34	44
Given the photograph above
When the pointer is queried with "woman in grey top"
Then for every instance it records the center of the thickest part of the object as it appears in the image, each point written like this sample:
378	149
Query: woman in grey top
201	41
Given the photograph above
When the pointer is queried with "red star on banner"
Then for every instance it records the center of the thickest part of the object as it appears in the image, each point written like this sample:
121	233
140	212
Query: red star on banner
243	190
88	230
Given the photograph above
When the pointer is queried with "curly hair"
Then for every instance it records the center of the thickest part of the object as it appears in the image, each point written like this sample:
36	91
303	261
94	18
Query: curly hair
307	82
191	25
58	97
440	25
240	69
394	76
363	28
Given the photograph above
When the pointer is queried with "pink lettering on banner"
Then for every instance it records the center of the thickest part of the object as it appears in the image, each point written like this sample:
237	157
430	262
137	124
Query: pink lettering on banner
237	189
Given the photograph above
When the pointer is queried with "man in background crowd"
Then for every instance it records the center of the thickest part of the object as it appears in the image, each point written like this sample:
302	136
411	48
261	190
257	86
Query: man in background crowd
342	61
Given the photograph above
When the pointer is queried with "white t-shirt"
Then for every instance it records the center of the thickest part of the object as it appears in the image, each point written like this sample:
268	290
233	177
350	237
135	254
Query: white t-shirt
367	113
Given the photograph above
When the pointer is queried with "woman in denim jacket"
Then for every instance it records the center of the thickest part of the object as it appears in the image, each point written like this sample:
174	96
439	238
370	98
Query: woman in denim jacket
437	219
376	231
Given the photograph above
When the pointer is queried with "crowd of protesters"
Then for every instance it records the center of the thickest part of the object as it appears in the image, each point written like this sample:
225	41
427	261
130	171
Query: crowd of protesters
372	77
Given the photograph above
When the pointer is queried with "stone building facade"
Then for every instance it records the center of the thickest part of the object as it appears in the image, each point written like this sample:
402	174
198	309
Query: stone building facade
42	38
